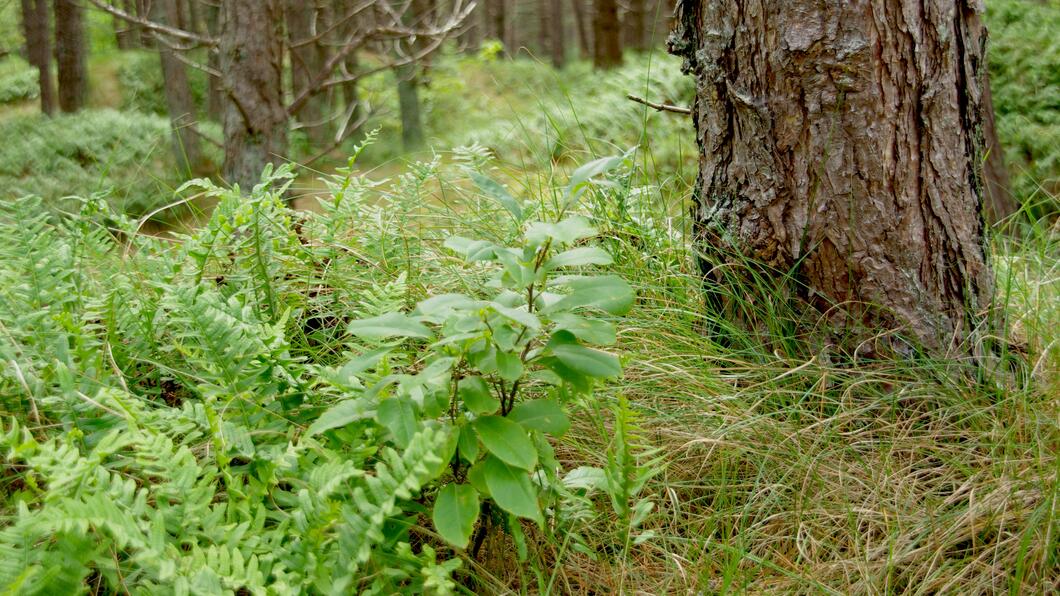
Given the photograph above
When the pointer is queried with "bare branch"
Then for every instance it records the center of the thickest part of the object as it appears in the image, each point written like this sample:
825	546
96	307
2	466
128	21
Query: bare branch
156	27
659	106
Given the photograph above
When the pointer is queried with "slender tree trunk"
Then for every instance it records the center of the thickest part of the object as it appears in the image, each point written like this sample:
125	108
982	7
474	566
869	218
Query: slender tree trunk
471	38
838	143
635	24
582	25
557	37
999	202
127	32
607	51
214	94
307	58
70	55
408	82
498	20
179	101
143	7
251	63
511	26
409	101
38	49
351	96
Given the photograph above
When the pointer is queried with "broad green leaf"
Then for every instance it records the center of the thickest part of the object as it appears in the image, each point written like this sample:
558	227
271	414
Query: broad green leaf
476	395
476	477
497	192
394	324
518	315
565	232
473	250
340	415
444	304
594	168
468	443
587	361
544	415
608	293
455	511
509	366
511	489
506	440
587	478
399	417
582	255
363	362
593	331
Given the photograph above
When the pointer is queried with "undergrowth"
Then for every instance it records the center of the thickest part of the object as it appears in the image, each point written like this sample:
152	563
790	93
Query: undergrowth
400	392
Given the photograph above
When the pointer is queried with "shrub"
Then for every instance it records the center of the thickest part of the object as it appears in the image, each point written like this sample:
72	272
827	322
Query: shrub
120	154
18	80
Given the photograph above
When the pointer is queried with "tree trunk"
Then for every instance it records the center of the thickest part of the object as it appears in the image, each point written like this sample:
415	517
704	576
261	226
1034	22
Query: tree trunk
607	48
38	49
557	37
251	63
179	101
124	34
635	24
70	55
214	94
838	143
307	58
408	82
351	97
581	23
999	202
470	40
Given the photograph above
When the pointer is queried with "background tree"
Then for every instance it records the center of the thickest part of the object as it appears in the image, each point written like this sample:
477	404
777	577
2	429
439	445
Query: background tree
583	27
870	196
635	30
306	27
251	63
35	27
557	31
607	45
179	100
71	55
409	78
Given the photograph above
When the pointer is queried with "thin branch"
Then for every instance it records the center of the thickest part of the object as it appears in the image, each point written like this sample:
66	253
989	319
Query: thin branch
153	25
662	107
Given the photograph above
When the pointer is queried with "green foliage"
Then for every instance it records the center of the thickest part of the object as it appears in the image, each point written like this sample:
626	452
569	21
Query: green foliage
142	87
118	154
241	412
1024	52
18	80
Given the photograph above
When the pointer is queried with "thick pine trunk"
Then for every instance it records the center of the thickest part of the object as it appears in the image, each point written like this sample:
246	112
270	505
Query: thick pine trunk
607	46
841	141
179	100
38	49
251	63
308	55
70	55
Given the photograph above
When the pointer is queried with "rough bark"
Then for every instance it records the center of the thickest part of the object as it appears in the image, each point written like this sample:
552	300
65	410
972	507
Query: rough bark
38	49
999	203
251	63
840	142
71	55
307	59
607	46
179	100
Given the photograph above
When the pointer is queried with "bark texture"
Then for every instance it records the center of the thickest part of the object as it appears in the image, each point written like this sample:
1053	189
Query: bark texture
251	63
841	141
38	49
179	100
308	54
607	45
70	55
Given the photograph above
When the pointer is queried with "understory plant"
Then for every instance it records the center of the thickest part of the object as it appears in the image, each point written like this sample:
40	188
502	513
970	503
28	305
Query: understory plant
259	407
